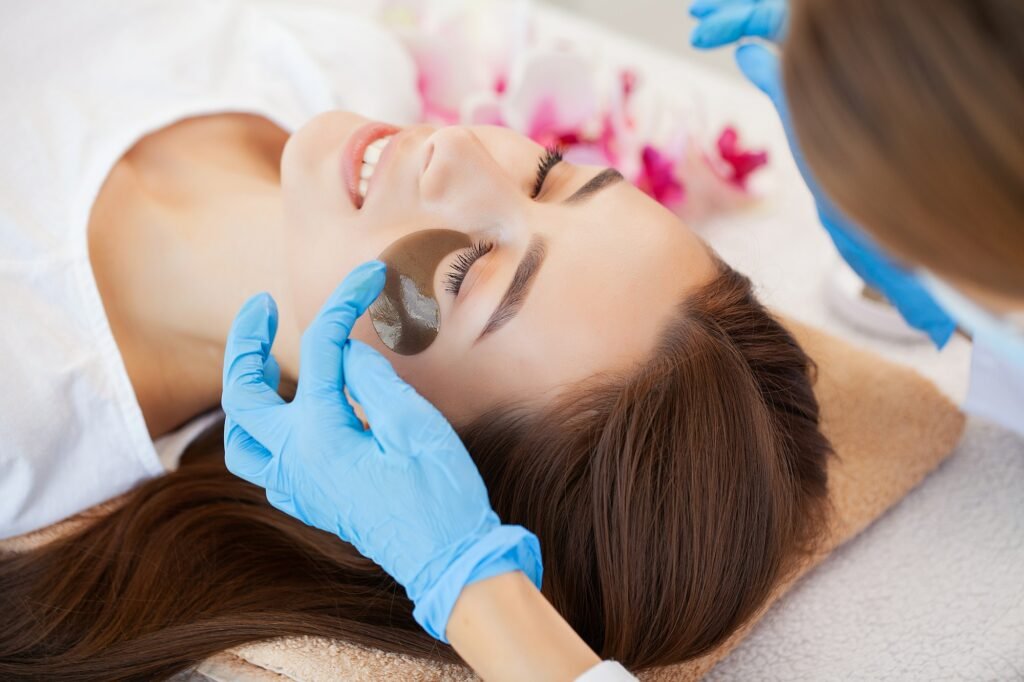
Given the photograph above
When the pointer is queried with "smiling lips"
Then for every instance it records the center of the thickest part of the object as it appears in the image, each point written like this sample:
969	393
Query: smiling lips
361	156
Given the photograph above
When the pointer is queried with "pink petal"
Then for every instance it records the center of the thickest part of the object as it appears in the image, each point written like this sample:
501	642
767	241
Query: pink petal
460	51
442	81
587	154
550	94
741	162
481	108
711	192
658	178
618	135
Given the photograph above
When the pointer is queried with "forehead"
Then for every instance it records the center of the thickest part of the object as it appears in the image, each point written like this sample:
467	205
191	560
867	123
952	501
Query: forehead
616	270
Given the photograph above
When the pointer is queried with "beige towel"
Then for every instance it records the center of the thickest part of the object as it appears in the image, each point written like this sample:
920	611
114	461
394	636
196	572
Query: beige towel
889	426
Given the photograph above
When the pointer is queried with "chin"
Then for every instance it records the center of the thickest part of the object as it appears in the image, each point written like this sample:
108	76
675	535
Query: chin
319	140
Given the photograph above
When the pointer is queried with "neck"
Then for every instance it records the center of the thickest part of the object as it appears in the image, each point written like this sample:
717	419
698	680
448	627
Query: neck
188	225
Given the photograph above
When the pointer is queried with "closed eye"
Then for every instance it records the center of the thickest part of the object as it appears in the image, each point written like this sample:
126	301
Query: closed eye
512	302
551	157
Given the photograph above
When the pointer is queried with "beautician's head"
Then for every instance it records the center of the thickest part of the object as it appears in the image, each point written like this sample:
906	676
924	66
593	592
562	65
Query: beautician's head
611	263
909	113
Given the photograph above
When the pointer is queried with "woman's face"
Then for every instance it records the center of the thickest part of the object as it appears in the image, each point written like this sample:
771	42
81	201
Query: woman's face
615	263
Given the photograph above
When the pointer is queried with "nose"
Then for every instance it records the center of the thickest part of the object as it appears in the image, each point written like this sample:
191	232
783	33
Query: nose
460	174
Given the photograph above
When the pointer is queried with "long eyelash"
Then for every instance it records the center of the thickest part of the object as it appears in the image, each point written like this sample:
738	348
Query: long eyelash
552	157
463	262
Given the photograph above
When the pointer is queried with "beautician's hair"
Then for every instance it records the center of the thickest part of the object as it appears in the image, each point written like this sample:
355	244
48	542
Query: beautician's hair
911	115
669	501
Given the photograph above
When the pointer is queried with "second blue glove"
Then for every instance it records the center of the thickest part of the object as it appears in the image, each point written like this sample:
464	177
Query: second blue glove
725	21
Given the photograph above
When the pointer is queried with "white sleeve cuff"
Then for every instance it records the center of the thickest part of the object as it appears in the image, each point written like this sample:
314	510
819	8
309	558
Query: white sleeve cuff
606	671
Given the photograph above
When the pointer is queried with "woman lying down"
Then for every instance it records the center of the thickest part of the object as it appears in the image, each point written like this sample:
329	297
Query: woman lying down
620	388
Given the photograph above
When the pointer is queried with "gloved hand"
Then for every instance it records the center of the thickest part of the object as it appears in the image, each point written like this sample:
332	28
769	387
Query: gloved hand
724	21
405	493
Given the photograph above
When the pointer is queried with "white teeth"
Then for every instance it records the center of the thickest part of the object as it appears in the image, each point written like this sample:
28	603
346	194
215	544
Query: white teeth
371	156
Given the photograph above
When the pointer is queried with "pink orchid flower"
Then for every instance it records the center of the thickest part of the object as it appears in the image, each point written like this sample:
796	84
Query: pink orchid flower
742	163
478	64
658	178
462	53
718	176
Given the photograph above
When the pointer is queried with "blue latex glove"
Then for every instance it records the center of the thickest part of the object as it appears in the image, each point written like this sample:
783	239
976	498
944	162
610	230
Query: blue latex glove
405	493
724	21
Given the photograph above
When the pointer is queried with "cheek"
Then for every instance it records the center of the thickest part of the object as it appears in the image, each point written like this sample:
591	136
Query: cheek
320	139
441	375
321	252
423	371
311	168
314	218
315	266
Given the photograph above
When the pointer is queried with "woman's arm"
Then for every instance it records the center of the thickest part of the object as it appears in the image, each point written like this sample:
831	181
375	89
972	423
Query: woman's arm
505	629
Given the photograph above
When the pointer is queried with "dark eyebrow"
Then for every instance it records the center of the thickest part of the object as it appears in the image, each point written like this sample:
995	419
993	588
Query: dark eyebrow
529	266
609	176
516	293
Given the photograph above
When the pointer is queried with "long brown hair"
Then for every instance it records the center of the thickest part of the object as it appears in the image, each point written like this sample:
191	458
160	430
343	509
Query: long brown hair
911	115
669	501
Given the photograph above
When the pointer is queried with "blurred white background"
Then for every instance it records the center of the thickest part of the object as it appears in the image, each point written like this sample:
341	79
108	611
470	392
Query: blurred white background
662	23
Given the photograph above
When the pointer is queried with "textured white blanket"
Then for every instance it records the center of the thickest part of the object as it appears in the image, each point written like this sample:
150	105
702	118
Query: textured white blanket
932	591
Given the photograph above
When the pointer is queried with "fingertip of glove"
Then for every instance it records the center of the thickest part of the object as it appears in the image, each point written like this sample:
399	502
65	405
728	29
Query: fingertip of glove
262	302
370	375
700	8
365	281
370	268
746	52
357	348
758	64
754	53
258	315
697	38
363	357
